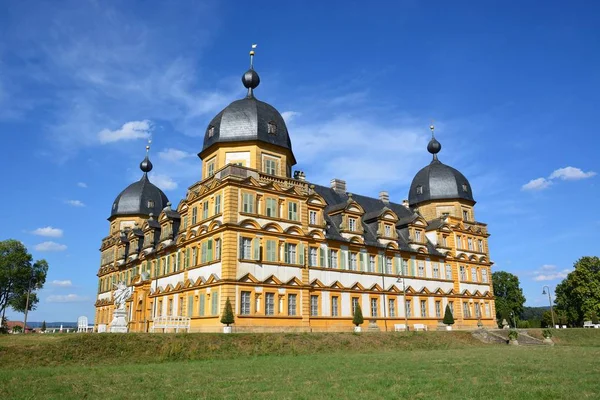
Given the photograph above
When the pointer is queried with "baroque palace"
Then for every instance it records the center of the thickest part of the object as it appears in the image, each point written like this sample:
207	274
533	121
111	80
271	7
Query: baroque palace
289	254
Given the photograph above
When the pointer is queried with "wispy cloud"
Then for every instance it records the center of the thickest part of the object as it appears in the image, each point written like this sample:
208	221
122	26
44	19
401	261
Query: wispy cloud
48	231
75	203
82	185
65	283
50	246
129	131
68	298
564	174
288	116
549	272
164	182
174	155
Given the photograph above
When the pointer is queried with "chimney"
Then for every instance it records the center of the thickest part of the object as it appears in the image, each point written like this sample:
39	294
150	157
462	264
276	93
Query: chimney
338	185
405	204
299	175
384	196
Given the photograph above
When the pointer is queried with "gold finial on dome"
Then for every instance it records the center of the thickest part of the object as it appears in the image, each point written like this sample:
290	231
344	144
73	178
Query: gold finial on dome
252	56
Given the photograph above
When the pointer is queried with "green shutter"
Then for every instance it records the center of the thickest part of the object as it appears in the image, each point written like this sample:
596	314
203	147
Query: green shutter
256	249
209	247
202	304
380	262
343	259
203	254
362	262
286	254
215	303
321	257
190	306
301	254
412	267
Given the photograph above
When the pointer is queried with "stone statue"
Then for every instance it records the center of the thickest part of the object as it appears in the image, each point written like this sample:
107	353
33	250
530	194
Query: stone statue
120	295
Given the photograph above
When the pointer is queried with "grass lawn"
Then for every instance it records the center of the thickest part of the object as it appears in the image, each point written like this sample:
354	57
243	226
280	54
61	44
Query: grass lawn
455	368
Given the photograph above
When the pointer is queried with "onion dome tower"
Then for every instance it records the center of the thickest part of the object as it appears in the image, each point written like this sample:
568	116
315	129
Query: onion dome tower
439	182
245	130
140	198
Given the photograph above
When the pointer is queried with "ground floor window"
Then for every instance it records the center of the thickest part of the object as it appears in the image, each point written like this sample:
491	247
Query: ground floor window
292	304
392	307
334	306
314	305
245	304
269	304
423	308
354	304
466	310
373	307
438	309
408	309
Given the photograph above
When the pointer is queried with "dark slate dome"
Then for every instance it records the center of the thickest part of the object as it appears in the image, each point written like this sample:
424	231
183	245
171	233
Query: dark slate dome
141	197
248	119
438	181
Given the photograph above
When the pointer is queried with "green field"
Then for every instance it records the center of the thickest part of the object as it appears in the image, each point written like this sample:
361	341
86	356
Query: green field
448	365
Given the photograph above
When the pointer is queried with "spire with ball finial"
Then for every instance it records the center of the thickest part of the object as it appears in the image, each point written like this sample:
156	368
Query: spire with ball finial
434	146
250	79
146	165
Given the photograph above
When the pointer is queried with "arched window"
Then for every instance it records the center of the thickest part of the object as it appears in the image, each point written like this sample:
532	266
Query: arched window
272	128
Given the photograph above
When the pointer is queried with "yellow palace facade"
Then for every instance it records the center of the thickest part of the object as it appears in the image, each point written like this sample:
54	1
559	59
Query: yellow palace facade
288	254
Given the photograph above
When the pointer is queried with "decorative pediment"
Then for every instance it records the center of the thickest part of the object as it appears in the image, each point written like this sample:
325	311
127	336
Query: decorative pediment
272	227
376	288
424	290
410	290
212	279
317	283
315	199
294	282
466	292
272	280
215	224
248	278
357	239
250	224
317	234
294	230
336	285
394	289
357	286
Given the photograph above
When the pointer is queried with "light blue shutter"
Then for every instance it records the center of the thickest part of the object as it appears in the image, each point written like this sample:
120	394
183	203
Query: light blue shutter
202	304
321	257
190	306
301	254
362	262
209	248
286	254
255	249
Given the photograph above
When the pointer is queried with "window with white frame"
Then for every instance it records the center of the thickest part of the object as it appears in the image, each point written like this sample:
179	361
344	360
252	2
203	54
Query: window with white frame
465	215
438	309
417	236
371	263
404	267
271	207
354	304
484	275
271	250
292	211
423	308
211	168
477	310
218	204
314	305
353	261
392	307
448	271
388	231
313	256
352	224
459	242
269	304
312	217
334	306
466	310
245	303
333	258
270	166
474	274
444	240
408	308
388	265
421	268
487	310
463	273
290	253
470	243
480	245
291	304
248	203
373	307
436	270
245	250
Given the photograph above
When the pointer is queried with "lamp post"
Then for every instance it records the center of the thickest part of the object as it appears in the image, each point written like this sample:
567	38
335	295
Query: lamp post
550	301
401	279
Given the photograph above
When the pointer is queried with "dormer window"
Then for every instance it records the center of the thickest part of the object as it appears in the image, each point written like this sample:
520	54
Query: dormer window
211	131
272	128
464	187
418	236
352	224
150	203
419	189
388	231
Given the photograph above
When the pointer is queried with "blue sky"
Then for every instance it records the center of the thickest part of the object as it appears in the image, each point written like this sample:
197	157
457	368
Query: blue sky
512	88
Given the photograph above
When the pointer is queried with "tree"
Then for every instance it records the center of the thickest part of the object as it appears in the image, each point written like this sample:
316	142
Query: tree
17	329
509	295
43	329
358	316
448	317
227	317
578	295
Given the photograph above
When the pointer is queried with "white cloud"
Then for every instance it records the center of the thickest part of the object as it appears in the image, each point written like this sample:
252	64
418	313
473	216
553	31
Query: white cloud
50	246
75	203
48	231
571	174
82	185
537	184
174	155
65	283
129	131
549	272
69	298
288	116
164	182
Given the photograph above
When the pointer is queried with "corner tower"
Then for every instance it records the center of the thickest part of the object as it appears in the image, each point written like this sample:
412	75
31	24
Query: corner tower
250	133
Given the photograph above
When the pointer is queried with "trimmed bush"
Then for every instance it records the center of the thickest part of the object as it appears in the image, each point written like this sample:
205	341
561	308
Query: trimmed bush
513	334
547	333
522	324
227	317
448	317
358	317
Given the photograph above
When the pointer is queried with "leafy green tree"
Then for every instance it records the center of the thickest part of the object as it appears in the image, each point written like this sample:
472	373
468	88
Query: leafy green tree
509	295
448	317
358	316
17	329
227	317
547	319
18	275
43	326
578	294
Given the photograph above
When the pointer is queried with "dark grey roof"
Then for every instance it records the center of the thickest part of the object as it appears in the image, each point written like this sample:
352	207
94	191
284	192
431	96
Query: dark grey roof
439	182
134	200
435	224
247	120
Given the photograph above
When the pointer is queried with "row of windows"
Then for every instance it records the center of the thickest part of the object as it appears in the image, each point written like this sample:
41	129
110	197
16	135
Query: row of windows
199	305
470	243
475	274
204	207
272	209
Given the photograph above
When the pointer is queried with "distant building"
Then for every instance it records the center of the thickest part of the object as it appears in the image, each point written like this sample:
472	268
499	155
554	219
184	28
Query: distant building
12	324
291	255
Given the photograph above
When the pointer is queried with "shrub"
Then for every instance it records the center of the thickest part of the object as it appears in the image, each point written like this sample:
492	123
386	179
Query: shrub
358	317
522	324
594	317
513	334
448	317
227	317
547	333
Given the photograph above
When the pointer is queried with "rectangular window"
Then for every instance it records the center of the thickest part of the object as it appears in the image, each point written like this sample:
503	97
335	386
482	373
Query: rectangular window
185	222
352	224
170	309
290	253
487	310
477	310
217	249
484	276
248	203
354	304
466	310
445	241
423	308
334	306
194	215
211	169
373	307
202	305
421	266
218	204
480	245
438	309
474	274
245	304
418	236
436	270
194	260
313	257
321	257
470	243
312	217
465	215
371	263
408	309
209	250
291	305
270	166
271	250
463	273
333	259
404	267
314	305
181	307
353	262
205	210
449	272
204	253
459	242
293	211
271	207
451	304
388	231
269	304
215	303
246	249
392	307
